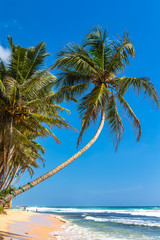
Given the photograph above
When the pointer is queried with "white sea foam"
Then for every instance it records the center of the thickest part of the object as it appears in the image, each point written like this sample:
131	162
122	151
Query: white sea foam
125	221
72	231
135	212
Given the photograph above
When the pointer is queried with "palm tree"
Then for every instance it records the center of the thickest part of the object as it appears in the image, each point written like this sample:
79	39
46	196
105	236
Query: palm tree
93	71
27	102
24	159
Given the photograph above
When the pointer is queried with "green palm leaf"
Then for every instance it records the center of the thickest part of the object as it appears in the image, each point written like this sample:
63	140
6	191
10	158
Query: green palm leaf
99	47
73	56
122	48
37	55
140	85
27	100
114	121
94	66
90	106
2	87
128	112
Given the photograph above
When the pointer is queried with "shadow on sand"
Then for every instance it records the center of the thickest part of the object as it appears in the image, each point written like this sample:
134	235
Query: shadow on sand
10	235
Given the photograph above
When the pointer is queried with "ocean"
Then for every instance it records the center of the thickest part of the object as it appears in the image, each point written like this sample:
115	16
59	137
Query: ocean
112	223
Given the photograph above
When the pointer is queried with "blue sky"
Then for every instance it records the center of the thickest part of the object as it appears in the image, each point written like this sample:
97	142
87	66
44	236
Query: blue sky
99	177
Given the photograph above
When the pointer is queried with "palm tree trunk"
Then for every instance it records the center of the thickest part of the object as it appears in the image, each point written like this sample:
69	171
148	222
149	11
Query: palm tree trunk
5	179
8	197
3	159
10	144
9	159
9	183
3	142
6	157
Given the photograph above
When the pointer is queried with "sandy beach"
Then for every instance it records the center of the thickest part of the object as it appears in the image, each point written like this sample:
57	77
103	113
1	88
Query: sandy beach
19	224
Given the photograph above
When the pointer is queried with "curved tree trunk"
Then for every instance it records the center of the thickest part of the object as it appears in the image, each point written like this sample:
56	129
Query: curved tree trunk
24	188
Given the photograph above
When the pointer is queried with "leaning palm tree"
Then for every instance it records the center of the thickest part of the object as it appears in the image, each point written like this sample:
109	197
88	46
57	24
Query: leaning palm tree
93	72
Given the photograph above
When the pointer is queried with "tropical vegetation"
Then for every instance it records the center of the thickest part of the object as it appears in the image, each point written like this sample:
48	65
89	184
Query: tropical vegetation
28	110
92	72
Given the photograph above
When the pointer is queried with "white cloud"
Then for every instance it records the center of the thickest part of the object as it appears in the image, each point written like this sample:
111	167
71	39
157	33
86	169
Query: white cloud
4	54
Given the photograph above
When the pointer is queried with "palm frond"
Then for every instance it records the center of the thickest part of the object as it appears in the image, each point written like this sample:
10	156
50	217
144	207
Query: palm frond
3	70
38	80
36	56
90	106
10	41
24	62
70	92
95	38
39	147
122	48
69	77
2	87
75	57
20	137
140	85
114	121
128	112
98	46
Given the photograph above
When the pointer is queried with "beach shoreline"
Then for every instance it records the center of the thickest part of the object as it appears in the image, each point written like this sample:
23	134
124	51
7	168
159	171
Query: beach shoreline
18	224
101	223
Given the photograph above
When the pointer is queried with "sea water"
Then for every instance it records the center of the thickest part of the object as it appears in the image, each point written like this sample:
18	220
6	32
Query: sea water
112	223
